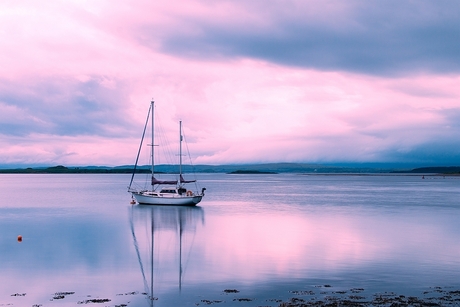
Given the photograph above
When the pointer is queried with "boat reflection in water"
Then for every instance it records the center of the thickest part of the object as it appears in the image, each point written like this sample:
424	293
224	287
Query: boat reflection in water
162	237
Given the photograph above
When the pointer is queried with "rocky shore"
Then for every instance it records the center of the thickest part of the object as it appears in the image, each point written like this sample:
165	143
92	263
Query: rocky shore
433	297
322	296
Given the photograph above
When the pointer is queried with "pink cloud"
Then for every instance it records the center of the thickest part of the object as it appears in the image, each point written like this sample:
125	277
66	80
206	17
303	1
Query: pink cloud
235	109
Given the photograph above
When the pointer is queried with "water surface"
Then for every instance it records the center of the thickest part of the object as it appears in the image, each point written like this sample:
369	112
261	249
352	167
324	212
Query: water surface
265	236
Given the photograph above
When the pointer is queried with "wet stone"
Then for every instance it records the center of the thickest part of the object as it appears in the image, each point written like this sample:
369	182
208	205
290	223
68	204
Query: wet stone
209	302
302	292
64	293
356	290
95	300
387	299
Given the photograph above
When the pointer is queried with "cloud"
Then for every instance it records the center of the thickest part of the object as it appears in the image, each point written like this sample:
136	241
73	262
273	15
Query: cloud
384	39
58	106
251	81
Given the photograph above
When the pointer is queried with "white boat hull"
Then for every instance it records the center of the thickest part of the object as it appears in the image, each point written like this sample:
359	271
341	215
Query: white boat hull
171	200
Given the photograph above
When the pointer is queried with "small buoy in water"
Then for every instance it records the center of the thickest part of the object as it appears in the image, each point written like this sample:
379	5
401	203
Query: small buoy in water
132	202
19	238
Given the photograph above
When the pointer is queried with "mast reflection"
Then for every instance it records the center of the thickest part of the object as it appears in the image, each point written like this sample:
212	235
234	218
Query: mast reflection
151	228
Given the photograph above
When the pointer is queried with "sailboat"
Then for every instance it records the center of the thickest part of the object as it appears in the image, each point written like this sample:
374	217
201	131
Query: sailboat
164	192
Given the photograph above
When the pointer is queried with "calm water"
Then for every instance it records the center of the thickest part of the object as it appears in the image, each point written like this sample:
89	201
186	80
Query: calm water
263	235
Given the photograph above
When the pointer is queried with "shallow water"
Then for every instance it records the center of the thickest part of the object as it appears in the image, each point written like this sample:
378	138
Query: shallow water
266	236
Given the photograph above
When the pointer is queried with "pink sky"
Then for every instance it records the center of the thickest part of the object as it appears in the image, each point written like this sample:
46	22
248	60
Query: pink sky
287	81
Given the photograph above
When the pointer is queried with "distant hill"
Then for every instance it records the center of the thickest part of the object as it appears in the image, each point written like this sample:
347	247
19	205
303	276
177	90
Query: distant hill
202	168
60	169
251	172
437	170
229	168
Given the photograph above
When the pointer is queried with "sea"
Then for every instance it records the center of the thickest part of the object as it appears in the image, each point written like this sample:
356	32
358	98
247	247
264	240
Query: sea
254	240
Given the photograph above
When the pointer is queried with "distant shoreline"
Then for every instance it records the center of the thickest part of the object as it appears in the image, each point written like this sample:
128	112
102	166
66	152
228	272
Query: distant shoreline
251	172
73	170
250	169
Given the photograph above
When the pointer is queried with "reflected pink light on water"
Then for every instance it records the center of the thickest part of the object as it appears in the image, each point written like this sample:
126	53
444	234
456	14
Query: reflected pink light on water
285	245
257	247
291	246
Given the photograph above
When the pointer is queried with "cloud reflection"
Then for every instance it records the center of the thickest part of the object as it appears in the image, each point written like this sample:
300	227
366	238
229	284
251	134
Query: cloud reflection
254	248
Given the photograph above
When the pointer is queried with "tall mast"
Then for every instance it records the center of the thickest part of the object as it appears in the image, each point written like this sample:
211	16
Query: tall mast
153	144
140	148
180	149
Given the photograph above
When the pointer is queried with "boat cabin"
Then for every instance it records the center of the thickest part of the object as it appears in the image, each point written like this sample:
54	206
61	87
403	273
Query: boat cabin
175	191
168	191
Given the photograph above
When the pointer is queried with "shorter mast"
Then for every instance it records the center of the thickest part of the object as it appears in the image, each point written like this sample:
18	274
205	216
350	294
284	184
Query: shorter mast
153	146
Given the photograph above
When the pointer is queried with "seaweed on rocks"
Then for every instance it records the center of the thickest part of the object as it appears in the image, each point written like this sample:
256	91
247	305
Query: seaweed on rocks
95	300
231	291
440	298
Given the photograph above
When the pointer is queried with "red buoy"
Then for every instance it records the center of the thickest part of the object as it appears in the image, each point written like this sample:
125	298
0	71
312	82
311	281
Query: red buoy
19	238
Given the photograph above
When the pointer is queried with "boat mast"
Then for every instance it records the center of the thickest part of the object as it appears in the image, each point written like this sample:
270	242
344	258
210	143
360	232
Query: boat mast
180	152
153	146
139	151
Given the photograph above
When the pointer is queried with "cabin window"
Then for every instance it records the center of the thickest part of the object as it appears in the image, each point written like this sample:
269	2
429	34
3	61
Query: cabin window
168	191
